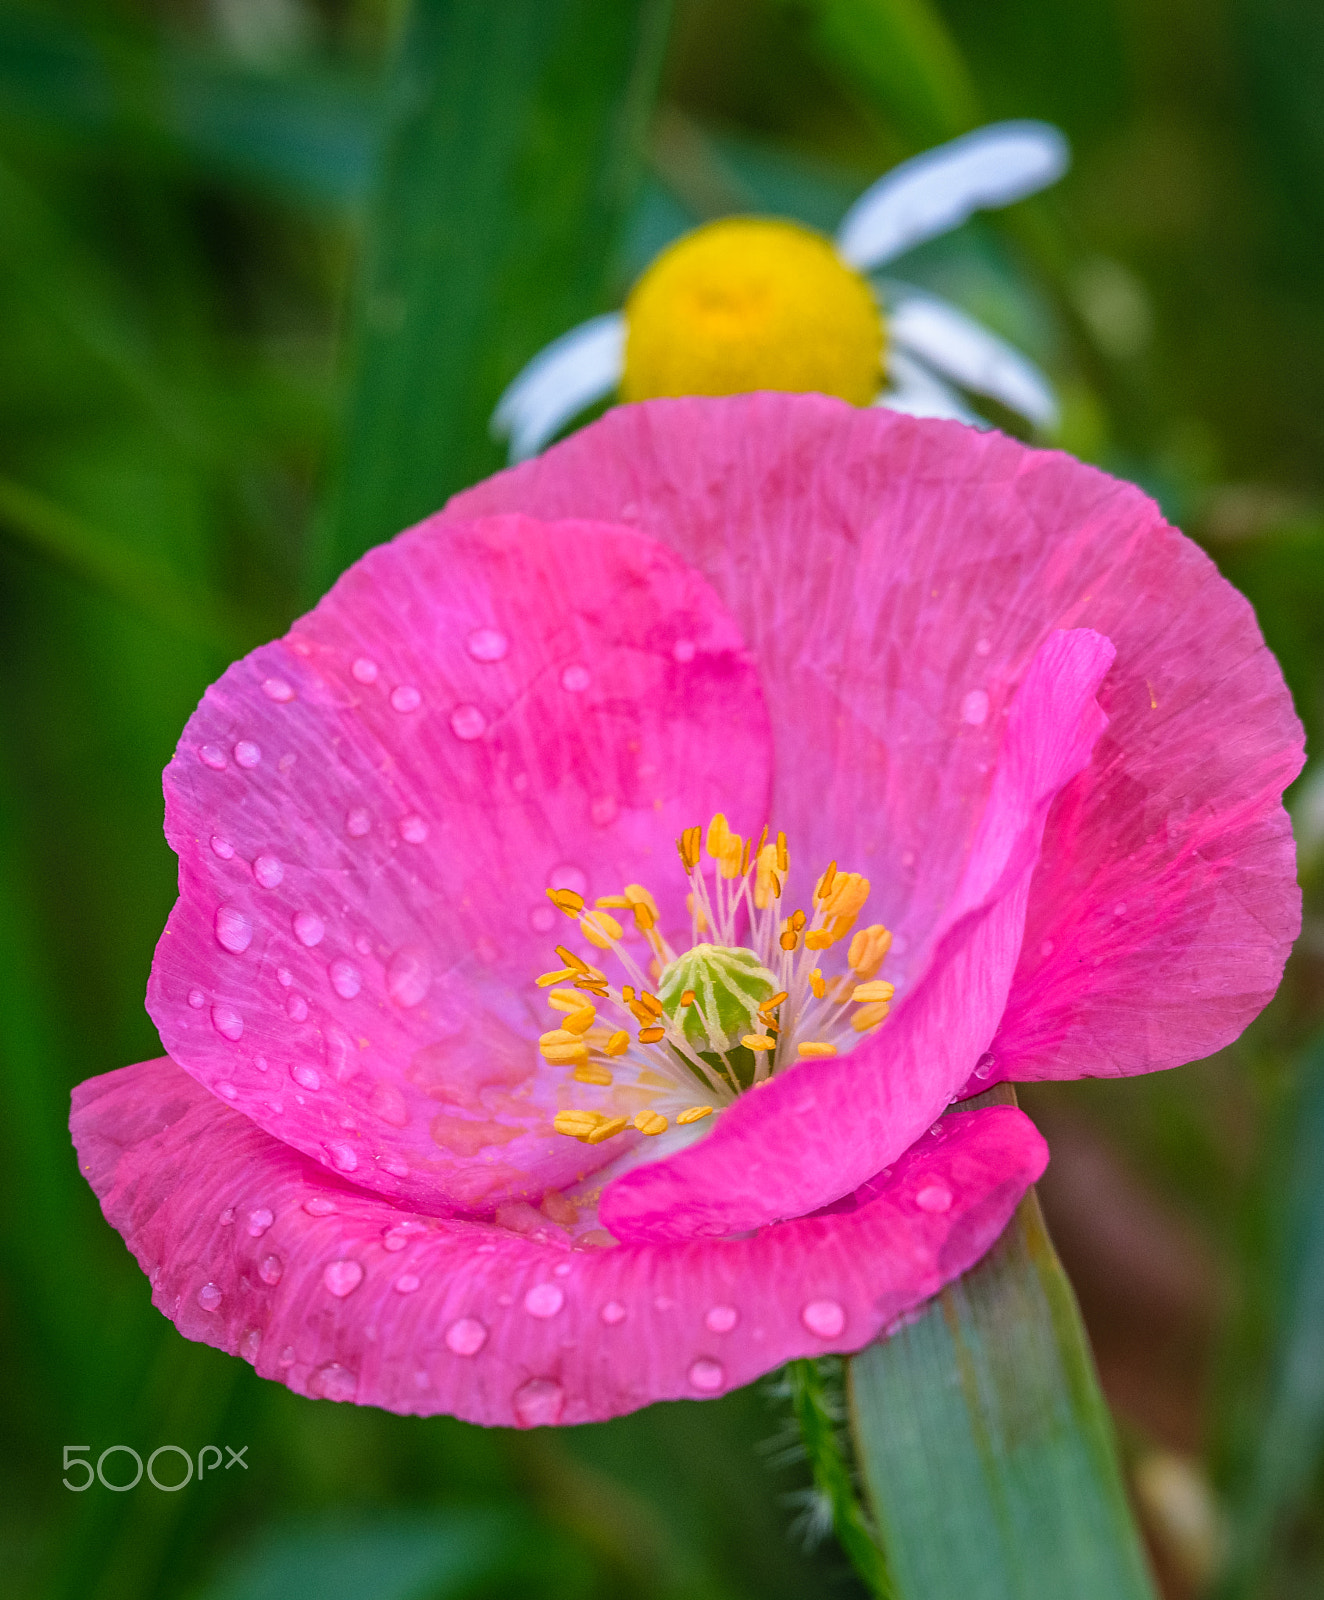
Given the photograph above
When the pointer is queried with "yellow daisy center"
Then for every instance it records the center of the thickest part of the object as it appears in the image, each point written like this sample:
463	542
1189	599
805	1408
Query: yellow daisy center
748	303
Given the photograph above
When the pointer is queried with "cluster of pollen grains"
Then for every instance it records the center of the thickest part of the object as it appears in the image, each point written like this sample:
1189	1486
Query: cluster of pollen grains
682	1035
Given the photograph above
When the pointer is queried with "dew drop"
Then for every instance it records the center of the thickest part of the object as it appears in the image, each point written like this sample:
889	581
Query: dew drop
197	999
544	1300
226	1217
406	1283
211	755
983	646
542	919
538	1403
487	644
397	1167
395	1239
307	1078
345	978
389	1104
683	650
260	1063
342	1277
974	708
286	1357
562	1269
706	1375
247	754
363	944
320	1206
364	670
309	929
227	1090
468	723
297	1007
227	1022
209	1297
612	1313
824	1318
221	847
284	977
269	872
259	1221
408	976
466	1337
251	1343
357	822
405	698
934	1197
343	1157
1119	910
575	679
721	1319
277	689
984	1066
334	1382
234	932
413	830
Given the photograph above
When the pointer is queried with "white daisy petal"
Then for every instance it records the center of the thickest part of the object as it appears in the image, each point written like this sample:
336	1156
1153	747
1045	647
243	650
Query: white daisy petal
572	372
938	190
916	392
963	350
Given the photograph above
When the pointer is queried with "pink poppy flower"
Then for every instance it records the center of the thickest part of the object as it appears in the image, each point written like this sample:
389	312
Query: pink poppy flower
1006	721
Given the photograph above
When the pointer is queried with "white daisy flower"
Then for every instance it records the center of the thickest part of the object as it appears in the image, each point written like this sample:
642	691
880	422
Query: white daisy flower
756	303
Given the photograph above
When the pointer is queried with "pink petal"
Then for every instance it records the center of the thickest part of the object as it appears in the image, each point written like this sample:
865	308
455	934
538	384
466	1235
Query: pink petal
356	966
820	1130
498	1327
893	577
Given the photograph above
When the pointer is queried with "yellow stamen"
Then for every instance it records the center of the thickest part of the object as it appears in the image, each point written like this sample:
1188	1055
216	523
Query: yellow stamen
572	960
600	929
816	983
687	999
789	939
819	939
869	1016
798	920
577	1124
651	1035
627	993
559	976
651	1123
823	888
694	1114
811	1049
766	886
564	1055
652	1002
783	854
732	855
580	1021
607	1130
592	1072
566	900
773	1001
618	1044
758	1041
718	833
558	1036
878	990
867	950
565	1000
645	918
612	902
688	845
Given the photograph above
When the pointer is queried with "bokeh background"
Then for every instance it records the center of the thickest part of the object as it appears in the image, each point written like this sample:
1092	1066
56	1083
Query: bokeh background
207	344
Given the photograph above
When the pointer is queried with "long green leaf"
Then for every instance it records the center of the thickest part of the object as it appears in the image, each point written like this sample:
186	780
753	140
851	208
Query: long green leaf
513	149
986	1446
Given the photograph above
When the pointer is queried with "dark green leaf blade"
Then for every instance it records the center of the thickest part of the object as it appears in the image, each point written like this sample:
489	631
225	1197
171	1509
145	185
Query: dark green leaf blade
986	1446
512	153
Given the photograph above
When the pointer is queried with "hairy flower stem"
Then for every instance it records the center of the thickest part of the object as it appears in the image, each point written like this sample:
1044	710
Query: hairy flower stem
819	1421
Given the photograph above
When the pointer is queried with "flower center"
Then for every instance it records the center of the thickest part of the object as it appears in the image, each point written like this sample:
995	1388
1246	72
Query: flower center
747	998
747	303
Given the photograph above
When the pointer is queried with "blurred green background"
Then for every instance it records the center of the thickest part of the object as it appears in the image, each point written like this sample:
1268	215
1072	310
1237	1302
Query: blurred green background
265	266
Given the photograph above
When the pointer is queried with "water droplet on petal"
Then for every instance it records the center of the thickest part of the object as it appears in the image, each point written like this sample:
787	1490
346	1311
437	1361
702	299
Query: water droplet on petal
612	1313
408	976
334	1382
251	1343
824	1318
394	1239
466	1337
575	679
342	1277
309	929
468	722
277	689
357	823
683	650
406	1283
721	1319
227	1090
706	1375
934	1197
343	1157
286	1357
284	977
269	872
539	1403
320	1206
197	999
307	1078
211	755
227	1216
297	1007
259	1221
209	1297
221	847
487	644
364	670
247	754
544	1300
413	830
974	708
227	1022
405	698
984	1066
345	978
983	646
234	932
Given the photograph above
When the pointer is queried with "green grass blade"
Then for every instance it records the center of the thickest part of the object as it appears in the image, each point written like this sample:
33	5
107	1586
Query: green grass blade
986	1446
512	152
